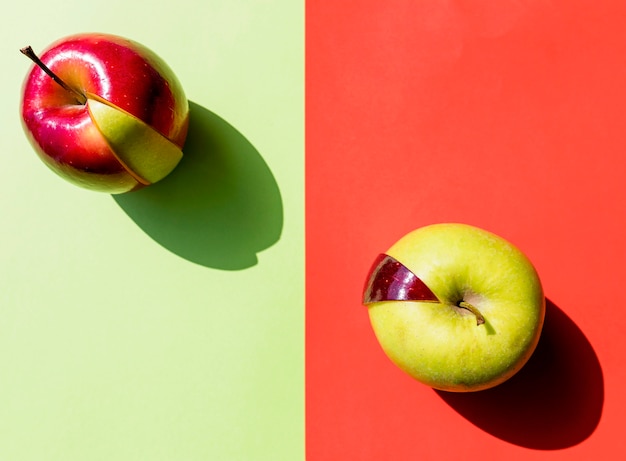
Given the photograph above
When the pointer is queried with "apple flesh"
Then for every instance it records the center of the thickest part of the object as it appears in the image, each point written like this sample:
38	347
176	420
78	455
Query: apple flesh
486	321
145	99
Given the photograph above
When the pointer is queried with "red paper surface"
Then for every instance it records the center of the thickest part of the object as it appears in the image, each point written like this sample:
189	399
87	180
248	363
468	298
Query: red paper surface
508	115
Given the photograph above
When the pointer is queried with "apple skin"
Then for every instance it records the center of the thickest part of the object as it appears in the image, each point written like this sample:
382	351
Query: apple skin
440	344
120	71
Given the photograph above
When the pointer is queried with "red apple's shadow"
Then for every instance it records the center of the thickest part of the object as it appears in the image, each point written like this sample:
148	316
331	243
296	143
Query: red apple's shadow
554	402
220	206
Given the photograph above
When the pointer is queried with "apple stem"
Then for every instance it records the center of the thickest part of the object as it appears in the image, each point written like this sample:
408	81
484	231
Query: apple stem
479	317
28	51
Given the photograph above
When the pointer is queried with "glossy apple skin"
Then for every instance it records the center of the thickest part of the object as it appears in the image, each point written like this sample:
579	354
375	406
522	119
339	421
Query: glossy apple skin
122	72
390	280
440	344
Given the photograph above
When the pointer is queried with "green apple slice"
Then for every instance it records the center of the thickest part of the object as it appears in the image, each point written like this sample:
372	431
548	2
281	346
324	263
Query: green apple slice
144	152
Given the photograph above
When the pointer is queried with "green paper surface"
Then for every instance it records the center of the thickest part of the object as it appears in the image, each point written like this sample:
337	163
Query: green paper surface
165	324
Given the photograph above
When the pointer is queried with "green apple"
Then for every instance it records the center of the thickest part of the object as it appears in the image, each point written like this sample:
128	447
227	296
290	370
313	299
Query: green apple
140	148
456	307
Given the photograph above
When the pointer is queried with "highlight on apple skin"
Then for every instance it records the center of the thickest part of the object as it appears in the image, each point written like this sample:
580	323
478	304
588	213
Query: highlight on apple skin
104	112
456	307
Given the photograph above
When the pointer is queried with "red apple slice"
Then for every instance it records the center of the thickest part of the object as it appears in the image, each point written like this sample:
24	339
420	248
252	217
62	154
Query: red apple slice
144	152
390	280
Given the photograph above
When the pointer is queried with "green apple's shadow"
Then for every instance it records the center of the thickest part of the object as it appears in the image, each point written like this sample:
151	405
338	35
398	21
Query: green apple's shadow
554	402
219	207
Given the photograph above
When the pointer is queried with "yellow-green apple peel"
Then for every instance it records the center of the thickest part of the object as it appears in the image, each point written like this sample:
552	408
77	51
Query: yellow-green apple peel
145	153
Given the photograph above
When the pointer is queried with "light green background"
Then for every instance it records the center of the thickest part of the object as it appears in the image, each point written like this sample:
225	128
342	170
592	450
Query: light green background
127	330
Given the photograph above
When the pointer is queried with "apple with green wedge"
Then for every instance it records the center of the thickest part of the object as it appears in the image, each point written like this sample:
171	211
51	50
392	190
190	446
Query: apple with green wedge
104	112
456	307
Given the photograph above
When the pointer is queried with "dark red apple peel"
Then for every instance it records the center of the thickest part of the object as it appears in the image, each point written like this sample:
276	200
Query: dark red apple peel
390	280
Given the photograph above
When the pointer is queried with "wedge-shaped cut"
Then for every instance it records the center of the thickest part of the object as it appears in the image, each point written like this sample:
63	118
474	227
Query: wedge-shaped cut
143	151
390	280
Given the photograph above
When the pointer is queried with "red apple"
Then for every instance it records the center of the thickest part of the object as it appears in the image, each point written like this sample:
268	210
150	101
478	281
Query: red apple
390	280
104	112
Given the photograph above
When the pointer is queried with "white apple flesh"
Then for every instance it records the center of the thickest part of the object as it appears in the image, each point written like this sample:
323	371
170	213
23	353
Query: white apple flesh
486	321
84	145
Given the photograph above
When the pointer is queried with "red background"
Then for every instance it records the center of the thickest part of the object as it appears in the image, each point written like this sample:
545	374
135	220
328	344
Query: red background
509	115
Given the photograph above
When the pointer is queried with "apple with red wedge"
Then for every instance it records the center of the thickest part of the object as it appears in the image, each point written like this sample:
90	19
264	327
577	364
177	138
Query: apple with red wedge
456	307
104	112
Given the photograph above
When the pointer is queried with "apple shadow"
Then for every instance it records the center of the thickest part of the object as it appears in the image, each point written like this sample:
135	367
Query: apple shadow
219	207
555	401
